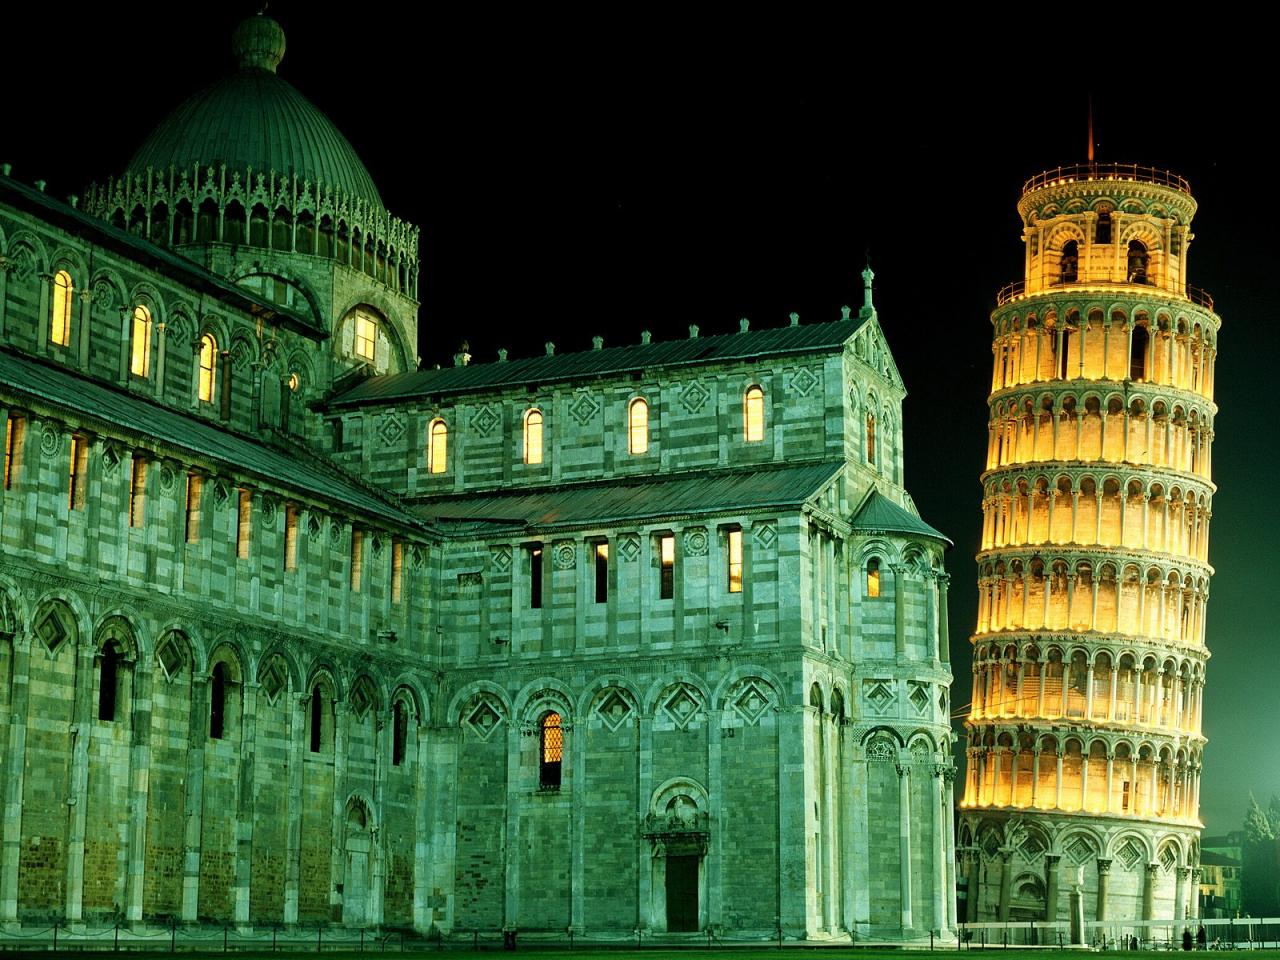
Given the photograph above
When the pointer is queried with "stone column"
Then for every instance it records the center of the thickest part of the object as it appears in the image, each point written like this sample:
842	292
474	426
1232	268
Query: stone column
1006	882
139	790
193	798
1051	871
1152	872
1193	902
423	912
900	609
1181	875
944	631
293	837
1104	873
14	764
244	803
941	826
5	264
77	799
904	833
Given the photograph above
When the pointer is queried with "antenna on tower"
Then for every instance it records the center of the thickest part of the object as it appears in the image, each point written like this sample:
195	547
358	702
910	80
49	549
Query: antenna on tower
1091	129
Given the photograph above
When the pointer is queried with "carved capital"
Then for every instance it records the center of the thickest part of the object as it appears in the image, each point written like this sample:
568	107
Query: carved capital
1104	867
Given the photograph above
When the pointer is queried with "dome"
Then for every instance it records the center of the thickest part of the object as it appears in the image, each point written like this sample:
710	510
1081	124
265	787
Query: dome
254	119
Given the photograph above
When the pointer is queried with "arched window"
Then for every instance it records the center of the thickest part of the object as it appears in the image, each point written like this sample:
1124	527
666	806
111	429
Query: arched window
871	438
60	316
533	436
208	365
1103	232
873	578
753	415
437	446
638	426
1138	260
140	355
1138	353
1069	263
550	751
320	723
366	336
1064	355
399	733
218	702
108	682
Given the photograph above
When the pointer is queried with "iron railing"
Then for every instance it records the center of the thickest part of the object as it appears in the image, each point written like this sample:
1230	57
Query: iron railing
1132	172
1016	290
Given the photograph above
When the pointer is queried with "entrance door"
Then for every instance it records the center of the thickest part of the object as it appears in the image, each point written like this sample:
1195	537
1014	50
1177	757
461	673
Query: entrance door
682	894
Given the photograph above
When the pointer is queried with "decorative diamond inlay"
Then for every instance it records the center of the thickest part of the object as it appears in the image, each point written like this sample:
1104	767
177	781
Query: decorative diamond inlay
584	408
220	494
1079	850
751	703
919	697
681	706
110	461
500	557
315	529
1128	854
484	420
878	695
170	657
361	698
484	719
274	680
52	629
694	397
417	557
1168	859
803	381
629	548
766	534
1032	846
990	843
391	430
614	710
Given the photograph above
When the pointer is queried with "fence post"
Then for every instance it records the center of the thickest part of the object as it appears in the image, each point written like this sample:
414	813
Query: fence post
319	936
224	938
173	936
275	929
362	939
55	936
116	943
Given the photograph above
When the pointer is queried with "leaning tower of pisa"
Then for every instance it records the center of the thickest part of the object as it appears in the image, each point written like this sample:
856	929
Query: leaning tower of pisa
1084	740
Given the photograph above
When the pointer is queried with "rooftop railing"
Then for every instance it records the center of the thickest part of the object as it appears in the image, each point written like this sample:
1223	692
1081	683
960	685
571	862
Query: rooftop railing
1016	290
1082	172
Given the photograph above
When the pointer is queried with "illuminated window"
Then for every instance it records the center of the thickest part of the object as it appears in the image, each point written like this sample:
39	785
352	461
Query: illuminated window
550	751
244	524
666	567
14	428
60	319
735	561
208	364
638	426
397	571
1068	265
871	438
140	360
873	578
437	447
366	336
601	554
79	473
753	415
1138	261
138	492
290	537
293	381
194	489
533	436
357	559
535	576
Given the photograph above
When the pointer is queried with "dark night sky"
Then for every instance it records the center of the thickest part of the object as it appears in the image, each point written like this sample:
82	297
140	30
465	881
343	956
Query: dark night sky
574	176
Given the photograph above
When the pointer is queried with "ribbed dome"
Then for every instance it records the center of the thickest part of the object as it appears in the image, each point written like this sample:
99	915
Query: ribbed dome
255	119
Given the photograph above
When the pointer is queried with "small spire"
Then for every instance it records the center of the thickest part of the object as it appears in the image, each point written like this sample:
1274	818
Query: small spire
845	311
463	356
744	325
794	318
597	343
551	349
40	185
868	307
502	354
645	338
693	331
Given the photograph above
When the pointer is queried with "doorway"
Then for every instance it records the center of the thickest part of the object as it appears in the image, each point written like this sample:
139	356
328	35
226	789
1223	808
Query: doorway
682	893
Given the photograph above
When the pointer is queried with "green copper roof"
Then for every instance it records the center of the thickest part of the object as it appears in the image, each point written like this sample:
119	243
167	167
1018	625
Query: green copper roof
879	514
255	120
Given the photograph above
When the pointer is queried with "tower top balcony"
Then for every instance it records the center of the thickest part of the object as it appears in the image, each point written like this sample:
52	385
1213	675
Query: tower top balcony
1131	172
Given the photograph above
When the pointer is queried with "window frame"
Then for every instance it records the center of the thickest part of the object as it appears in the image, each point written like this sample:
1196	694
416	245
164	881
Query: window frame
244	523
733	560
437	459
291	515
873	586
365	331
140	342
137	492
79	472
600	569
666	566
638	432
536	579
356	579
533	450
206	374
550	772
15	431
61	299
753	396
191	506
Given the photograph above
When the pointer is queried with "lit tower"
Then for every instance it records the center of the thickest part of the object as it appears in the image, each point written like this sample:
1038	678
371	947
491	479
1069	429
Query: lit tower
1084	739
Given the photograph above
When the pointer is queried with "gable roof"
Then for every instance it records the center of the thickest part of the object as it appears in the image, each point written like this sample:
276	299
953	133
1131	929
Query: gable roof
637	498
114	408
879	514
772	341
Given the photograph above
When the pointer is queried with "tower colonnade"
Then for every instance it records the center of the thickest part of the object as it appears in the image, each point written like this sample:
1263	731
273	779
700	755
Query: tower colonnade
1084	733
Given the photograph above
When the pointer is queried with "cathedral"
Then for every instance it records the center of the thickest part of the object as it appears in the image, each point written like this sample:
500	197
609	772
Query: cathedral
1084	738
645	639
